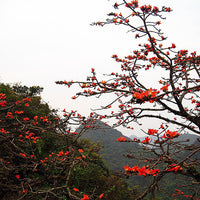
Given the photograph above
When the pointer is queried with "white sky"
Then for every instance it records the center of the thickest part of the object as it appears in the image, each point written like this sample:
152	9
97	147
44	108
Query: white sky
42	41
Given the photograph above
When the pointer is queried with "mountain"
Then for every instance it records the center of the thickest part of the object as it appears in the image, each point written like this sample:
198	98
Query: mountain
189	138
113	150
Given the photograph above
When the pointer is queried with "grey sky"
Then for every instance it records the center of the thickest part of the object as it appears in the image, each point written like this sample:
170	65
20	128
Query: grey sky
42	41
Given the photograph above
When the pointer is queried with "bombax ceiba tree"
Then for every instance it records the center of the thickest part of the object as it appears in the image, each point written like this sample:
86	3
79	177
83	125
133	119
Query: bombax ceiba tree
172	99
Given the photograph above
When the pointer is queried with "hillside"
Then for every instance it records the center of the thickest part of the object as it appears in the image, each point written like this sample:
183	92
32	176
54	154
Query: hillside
112	149
113	154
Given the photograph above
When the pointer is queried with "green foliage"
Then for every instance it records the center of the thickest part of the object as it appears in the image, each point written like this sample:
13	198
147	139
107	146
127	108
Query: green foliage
25	91
37	160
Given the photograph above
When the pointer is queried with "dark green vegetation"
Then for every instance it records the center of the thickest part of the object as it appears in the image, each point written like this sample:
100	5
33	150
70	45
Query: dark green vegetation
41	159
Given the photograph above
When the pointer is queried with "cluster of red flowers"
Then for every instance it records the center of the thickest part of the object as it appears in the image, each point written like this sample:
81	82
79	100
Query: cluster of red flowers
146	140
152	131
25	119
154	60
147	95
167	135
133	4
2	101
121	139
61	153
3	131
9	115
86	197
2	96
146	9
170	134
30	136
141	171
179	192
19	112
45	119
165	87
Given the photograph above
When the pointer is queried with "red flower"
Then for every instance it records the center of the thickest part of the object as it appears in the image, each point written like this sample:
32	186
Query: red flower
3	103
76	190
161	126
126	20
152	131
35	118
2	96
142	171
127	168
17	176
19	112
60	153
172	134
26	99
26	119
80	150
121	139
22	154
146	140
66	153
173	46
116	5
9	115
101	195
85	197
165	87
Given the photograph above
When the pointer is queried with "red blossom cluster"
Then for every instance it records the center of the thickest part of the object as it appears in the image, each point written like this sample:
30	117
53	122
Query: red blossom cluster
145	171
3	103
152	131
3	131
177	92
133	3
121	139
148	95
29	136
2	96
146	9
9	115
179	193
170	134
19	112
146	140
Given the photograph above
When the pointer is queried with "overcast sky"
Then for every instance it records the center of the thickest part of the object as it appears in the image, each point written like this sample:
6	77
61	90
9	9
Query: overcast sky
42	41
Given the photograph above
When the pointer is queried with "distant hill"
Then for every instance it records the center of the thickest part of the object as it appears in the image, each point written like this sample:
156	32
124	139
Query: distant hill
190	138
113	151
113	154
